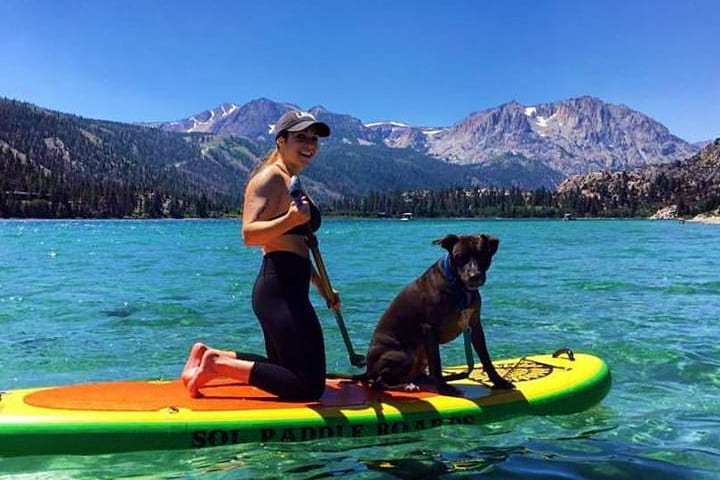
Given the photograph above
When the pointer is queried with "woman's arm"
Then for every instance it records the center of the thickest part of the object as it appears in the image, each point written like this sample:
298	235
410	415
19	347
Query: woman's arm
265	190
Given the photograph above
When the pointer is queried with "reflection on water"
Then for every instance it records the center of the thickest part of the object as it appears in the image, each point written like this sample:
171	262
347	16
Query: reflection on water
406	458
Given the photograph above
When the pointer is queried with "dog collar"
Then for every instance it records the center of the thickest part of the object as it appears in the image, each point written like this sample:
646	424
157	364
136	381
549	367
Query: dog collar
463	297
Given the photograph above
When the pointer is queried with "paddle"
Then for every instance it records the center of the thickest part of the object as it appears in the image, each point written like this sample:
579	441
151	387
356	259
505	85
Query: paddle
356	359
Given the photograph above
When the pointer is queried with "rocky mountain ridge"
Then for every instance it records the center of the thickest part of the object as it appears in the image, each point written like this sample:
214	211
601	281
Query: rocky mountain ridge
252	120
569	137
572	136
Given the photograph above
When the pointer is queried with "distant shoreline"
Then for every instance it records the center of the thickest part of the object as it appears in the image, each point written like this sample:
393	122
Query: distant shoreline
708	220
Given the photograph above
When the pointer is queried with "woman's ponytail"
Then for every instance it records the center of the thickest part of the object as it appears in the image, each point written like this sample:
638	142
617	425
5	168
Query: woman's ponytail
269	160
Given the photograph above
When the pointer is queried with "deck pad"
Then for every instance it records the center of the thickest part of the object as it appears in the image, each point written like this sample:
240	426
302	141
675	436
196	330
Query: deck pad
148	396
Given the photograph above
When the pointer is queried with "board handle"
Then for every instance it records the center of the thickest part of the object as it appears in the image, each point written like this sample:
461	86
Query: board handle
566	351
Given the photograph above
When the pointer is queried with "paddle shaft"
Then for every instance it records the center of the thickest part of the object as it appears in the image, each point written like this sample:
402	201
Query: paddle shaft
356	359
296	193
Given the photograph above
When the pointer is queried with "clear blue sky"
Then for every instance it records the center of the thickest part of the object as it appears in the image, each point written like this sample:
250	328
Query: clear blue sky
427	63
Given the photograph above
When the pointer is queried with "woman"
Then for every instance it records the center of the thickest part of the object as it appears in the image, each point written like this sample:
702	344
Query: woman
294	368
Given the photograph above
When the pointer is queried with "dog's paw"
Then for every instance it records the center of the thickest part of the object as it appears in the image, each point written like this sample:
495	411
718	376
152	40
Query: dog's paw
410	387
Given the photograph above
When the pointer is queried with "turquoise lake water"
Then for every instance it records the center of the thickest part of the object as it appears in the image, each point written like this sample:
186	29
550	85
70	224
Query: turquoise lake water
104	300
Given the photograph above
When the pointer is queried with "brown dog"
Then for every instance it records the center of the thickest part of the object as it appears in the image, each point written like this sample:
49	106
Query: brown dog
433	310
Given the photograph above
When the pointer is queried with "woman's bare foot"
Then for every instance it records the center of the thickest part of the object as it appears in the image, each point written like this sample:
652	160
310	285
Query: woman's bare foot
202	374
193	362
215	364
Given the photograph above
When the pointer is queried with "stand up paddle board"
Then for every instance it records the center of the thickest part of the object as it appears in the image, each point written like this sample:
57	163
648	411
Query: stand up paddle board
160	415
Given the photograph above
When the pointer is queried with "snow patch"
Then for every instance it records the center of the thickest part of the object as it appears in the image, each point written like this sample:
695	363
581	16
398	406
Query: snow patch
225	113
430	133
530	111
389	124
198	125
194	124
542	121
362	141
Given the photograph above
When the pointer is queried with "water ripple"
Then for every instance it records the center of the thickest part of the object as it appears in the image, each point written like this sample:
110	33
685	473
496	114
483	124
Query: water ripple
111	300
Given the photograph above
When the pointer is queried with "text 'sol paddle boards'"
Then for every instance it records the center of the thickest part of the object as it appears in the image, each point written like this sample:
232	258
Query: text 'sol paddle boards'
145	415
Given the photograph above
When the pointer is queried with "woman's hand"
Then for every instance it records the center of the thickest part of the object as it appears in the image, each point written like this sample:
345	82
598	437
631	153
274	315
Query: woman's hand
299	211
333	300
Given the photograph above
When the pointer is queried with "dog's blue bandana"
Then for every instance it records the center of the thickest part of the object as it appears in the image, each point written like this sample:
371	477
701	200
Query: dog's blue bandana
462	297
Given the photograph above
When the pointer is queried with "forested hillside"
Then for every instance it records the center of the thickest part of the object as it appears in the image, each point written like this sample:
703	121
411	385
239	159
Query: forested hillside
360	169
59	165
691	187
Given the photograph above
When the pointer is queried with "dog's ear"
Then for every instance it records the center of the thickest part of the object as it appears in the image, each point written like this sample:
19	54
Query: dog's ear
491	243
447	242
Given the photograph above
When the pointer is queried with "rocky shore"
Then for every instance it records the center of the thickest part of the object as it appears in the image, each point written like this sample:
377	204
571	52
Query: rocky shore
671	213
708	217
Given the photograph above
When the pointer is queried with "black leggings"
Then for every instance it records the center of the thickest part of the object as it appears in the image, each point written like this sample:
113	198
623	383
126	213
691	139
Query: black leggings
295	365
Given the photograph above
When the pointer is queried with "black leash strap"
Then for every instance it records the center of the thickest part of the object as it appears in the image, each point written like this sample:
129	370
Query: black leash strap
469	359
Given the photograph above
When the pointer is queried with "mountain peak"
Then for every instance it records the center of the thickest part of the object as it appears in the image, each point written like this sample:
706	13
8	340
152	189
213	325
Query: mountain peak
261	100
264	102
572	136
319	109
512	104
586	98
